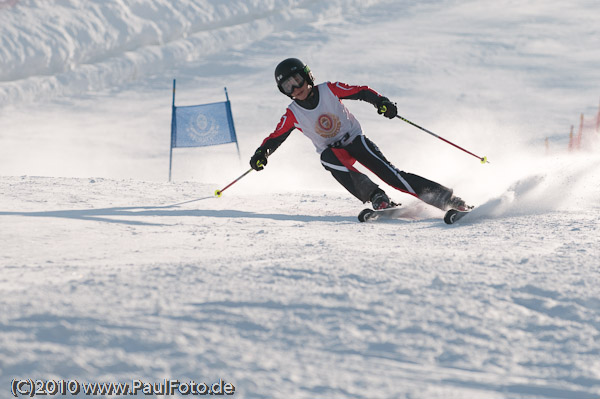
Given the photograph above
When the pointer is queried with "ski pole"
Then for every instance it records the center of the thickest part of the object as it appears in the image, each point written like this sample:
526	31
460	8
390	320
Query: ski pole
482	159
218	193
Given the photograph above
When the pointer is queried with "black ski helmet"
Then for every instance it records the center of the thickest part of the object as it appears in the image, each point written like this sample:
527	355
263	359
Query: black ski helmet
290	66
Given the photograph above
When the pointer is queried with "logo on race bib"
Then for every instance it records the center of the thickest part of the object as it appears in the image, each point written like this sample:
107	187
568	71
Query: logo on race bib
328	125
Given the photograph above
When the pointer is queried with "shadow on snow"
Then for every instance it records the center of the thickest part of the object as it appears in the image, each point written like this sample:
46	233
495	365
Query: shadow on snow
106	214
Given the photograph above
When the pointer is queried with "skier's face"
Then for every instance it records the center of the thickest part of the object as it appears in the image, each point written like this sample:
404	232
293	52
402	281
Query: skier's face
301	93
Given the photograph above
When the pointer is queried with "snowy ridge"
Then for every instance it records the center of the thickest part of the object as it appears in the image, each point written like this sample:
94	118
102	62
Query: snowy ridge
81	45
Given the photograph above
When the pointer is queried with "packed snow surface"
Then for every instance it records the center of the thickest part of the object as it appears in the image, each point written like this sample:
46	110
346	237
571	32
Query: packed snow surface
110	273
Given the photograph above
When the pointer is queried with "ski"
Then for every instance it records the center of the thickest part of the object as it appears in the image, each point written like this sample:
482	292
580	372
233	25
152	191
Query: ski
453	215
396	212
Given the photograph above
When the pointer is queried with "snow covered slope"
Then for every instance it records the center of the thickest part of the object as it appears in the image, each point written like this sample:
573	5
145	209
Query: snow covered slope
110	273
290	296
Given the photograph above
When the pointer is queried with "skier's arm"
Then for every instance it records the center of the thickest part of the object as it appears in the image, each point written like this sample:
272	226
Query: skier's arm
273	141
282	131
348	92
364	93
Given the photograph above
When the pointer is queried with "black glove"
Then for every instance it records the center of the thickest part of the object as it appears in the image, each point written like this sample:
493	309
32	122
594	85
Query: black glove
259	159
386	107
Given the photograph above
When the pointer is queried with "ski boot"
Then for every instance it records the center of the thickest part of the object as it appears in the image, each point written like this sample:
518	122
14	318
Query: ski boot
380	200
458	204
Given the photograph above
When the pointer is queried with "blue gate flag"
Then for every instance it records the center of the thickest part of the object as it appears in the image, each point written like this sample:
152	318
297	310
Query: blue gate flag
201	125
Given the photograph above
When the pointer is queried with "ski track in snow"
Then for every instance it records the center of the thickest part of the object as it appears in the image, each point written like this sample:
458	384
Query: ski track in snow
276	287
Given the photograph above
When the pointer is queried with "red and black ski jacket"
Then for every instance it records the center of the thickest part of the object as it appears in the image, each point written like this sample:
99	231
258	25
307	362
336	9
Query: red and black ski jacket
288	121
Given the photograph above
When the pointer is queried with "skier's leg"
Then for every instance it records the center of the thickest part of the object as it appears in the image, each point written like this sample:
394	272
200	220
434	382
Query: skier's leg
369	155
339	163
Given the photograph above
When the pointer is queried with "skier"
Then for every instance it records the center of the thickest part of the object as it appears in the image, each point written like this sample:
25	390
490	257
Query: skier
318	112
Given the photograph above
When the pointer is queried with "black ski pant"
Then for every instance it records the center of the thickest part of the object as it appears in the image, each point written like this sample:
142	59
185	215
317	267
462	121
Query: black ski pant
340	160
